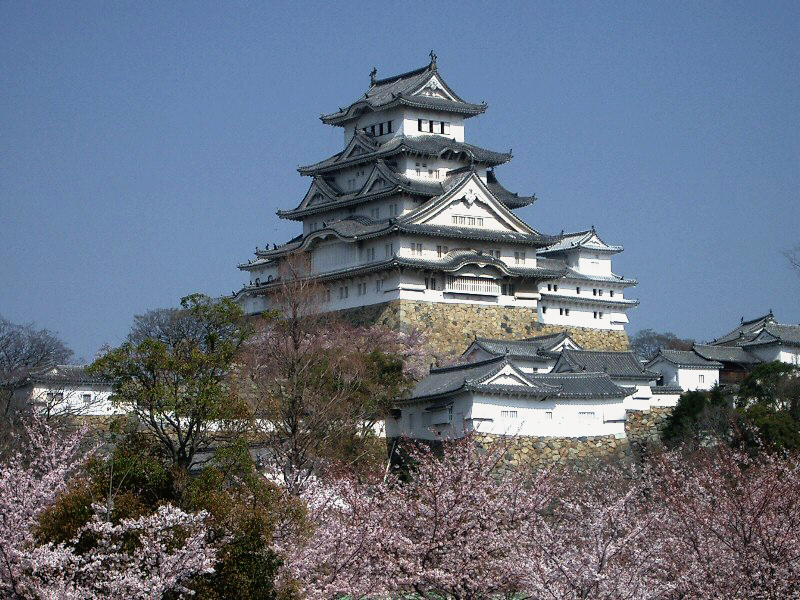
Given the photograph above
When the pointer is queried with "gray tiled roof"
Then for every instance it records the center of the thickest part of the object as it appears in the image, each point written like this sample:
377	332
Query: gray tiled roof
524	348
687	359
776	332
613	278
587	299
616	364
451	379
477	233
428	145
666	389
568	241
65	374
729	354
559	385
510	199
582	385
745	332
390	91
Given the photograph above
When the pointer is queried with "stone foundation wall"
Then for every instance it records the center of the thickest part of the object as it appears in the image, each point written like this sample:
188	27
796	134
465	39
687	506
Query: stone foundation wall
546	452
453	327
644	427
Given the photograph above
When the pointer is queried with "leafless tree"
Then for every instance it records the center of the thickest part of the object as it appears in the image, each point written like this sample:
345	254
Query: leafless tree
24	350
793	256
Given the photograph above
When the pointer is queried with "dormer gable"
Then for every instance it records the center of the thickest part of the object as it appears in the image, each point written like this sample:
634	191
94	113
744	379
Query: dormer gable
468	203
434	87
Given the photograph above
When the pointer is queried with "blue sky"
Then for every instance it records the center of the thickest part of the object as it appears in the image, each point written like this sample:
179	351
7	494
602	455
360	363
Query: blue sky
145	146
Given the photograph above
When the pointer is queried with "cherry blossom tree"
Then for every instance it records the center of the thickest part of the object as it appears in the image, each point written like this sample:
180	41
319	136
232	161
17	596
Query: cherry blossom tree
456	529
732	524
319	386
135	558
599	539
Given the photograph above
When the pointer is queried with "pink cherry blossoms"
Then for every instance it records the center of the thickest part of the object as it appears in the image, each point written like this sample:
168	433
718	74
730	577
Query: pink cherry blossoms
716	526
135	558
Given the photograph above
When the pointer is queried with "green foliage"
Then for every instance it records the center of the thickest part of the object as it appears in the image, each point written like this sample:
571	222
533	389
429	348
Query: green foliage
171	372
697	416
770	384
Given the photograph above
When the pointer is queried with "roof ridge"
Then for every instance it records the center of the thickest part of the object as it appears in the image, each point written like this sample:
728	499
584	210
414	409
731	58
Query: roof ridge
488	361
407	74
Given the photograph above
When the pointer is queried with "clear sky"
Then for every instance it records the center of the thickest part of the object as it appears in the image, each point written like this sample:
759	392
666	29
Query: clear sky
145	146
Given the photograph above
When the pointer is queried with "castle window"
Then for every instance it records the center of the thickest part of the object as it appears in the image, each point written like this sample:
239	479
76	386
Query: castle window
561	311
344	292
445	127
393	210
379	284
611	293
441	250
701	379
327	294
519	258
88	397
578	290
362	289
549	287
566	312
370	253
450	414
375	212
388	250
430	283
508	289
594	292
548	415
380	129
416	249
508	414
544	309
595	314
599	292
600	315
388	126
555	287
586	416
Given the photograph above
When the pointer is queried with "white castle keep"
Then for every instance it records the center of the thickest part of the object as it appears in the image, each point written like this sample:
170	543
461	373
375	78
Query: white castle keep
411	212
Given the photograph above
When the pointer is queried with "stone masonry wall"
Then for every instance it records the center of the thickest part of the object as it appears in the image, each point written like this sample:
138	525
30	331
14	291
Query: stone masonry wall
548	452
642	427
452	327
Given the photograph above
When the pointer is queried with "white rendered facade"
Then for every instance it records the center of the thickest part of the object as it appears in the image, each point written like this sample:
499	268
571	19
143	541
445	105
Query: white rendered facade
410	211
64	390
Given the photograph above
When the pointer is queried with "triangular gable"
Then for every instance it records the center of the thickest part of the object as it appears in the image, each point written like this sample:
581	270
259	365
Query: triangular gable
507	375
764	336
462	199
434	87
358	145
318	193
380	179
566	344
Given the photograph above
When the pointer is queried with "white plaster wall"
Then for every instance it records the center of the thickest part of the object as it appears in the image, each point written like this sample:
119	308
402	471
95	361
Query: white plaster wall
411	122
580	315
594	264
690	379
532	417
73	402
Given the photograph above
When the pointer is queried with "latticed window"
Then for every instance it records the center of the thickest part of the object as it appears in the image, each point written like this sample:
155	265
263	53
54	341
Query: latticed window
473	285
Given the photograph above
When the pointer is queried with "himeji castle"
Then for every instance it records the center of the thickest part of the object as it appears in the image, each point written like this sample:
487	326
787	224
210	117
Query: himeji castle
409	225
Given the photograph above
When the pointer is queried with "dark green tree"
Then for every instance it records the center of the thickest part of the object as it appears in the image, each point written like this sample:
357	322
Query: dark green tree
171	374
698	418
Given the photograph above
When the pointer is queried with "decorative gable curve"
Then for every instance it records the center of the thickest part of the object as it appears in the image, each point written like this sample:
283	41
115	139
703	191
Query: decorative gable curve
461	200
